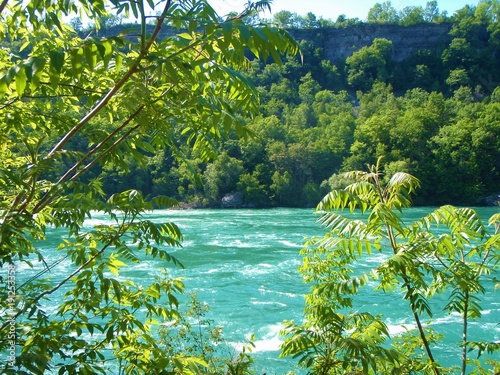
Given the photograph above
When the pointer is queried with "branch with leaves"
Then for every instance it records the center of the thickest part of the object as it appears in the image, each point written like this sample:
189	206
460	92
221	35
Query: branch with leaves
427	267
70	106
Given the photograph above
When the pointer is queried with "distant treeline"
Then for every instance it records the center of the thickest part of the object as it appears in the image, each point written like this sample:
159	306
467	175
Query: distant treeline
435	115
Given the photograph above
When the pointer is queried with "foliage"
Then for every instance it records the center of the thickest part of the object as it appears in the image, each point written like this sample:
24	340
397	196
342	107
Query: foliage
193	332
221	176
369	64
385	13
434	112
412	263
77	109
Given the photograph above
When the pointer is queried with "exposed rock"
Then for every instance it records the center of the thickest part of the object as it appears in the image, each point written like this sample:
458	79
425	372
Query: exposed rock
490	200
340	43
232	200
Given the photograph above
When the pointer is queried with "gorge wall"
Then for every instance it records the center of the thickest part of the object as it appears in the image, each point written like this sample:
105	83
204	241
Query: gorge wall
340	43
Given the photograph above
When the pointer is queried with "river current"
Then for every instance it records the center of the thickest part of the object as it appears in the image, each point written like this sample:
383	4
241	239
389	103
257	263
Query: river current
243	264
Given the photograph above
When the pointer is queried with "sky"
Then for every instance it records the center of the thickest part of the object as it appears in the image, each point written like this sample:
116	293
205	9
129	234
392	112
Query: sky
331	9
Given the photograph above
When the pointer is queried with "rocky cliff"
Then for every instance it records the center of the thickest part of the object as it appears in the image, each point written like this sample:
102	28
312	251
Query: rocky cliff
340	43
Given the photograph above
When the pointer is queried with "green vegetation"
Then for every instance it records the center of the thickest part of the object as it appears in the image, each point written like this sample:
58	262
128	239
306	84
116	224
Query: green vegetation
116	119
435	115
72	107
192	332
414	268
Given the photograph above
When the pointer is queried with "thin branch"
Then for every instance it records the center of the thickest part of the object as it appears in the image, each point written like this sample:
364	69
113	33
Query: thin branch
100	144
9	103
159	25
78	87
104	153
70	276
42	272
47	198
58	286
464	333
3	5
51	96
406	280
111	93
405	277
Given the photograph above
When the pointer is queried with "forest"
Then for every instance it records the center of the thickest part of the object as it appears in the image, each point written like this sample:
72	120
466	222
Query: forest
435	114
191	108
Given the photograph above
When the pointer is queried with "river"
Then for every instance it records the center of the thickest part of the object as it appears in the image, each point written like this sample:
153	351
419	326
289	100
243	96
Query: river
243	263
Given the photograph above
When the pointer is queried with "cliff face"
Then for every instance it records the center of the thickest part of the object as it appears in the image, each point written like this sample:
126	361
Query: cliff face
340	43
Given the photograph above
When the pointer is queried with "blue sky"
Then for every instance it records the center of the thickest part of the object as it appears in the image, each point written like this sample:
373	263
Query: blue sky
333	8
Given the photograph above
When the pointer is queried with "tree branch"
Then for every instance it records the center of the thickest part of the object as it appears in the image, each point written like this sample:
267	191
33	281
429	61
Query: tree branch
46	199
111	93
464	333
100	144
3	5
406	279
67	278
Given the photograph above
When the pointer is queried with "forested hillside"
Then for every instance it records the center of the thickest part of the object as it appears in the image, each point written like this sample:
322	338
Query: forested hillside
435	114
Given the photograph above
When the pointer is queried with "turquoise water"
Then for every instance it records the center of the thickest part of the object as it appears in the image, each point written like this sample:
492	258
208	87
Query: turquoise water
243	263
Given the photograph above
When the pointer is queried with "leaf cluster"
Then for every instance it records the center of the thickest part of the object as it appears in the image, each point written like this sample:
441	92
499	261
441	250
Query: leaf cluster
443	262
72	105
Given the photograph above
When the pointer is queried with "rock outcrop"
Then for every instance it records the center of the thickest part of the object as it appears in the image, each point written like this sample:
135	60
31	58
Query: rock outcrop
492	200
233	200
340	43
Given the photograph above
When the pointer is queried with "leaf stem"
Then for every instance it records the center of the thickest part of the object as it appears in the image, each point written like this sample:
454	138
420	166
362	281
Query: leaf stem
464	333
406	279
3	5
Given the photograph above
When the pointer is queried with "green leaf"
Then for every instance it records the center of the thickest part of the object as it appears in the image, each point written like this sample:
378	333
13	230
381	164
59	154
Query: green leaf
3	86
105	49
36	66
77	61
110	334
21	80
245	33
118	62
91	54
57	60
117	289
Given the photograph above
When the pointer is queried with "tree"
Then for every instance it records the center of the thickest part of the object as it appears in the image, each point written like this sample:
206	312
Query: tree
466	151
119	97
193	332
431	11
425	270
411	15
286	19
308	88
221	176
310	21
282	188
383	13
459	54
458	78
253	192
369	64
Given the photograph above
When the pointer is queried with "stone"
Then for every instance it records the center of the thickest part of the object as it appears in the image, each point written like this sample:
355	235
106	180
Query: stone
232	200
